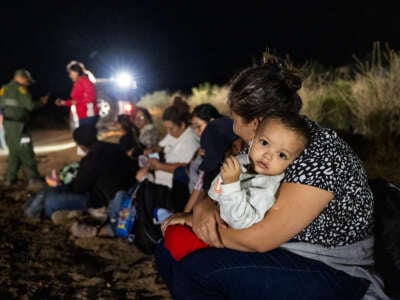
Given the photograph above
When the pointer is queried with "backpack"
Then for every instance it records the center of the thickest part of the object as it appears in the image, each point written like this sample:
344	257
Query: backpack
126	214
149	196
387	234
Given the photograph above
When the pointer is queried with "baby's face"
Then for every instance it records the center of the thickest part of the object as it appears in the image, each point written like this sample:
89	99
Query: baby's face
274	148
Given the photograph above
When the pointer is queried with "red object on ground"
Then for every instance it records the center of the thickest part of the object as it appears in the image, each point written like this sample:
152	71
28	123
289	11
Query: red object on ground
84	94
180	240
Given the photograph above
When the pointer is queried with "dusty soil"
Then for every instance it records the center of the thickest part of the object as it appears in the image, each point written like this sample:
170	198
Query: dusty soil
39	260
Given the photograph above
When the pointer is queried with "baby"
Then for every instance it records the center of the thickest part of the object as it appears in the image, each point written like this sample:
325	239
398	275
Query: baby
246	186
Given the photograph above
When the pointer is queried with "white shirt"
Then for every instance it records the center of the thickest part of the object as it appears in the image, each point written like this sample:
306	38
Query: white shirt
176	150
244	202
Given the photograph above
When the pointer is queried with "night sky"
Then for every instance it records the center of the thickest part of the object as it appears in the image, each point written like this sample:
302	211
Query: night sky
178	44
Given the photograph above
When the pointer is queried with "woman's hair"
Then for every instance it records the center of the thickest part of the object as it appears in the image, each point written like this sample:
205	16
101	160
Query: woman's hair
145	113
125	122
292	121
178	112
273	86
76	66
206	112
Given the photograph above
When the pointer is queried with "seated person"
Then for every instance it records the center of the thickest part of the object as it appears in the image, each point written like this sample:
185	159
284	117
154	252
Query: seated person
102	172
202	116
246	187
179	146
129	142
148	133
216	139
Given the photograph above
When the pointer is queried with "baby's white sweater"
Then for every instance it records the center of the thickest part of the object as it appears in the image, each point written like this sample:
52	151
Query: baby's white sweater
245	202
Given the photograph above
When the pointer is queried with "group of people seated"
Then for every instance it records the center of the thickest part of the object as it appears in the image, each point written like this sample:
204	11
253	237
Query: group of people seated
265	203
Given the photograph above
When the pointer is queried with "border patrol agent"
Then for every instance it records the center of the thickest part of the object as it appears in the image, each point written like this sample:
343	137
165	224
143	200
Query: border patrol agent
16	104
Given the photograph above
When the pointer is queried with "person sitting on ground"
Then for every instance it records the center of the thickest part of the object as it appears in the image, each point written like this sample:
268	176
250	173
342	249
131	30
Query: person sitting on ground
179	145
102	172
148	133
215	141
246	186
202	115
129	142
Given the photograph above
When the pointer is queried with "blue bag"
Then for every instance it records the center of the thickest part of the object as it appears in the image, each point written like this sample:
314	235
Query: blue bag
127	214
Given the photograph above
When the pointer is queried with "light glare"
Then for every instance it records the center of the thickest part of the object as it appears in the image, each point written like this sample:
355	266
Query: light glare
124	80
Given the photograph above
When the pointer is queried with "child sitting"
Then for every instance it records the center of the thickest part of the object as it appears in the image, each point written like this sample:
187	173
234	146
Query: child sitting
246	186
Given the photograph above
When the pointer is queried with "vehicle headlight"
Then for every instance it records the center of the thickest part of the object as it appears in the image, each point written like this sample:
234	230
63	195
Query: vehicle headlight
125	80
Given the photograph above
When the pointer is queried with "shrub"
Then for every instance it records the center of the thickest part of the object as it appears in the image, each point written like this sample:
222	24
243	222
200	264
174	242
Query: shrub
324	101
375	95
157	99
208	93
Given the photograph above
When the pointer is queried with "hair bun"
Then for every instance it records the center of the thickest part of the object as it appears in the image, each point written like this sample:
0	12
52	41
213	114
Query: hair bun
290	75
292	81
181	104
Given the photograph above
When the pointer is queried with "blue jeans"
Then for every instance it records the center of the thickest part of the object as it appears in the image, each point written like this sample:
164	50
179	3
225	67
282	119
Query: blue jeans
3	144
89	120
59	199
278	274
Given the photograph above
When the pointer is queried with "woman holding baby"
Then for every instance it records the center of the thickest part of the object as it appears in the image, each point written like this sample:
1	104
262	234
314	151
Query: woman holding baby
314	238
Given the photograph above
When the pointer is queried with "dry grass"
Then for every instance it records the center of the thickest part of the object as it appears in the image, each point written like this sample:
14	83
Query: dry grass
364	102
375	94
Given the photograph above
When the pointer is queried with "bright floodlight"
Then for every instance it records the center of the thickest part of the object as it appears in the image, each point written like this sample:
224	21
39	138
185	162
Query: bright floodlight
124	80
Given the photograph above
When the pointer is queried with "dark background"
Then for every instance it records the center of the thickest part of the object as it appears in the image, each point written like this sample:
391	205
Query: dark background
179	44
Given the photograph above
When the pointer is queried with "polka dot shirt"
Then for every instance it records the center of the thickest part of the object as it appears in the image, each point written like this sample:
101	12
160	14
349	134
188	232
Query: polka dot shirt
330	164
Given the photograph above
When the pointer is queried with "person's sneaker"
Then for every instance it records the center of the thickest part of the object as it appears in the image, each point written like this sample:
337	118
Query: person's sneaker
65	217
160	214
83	230
34	207
35	185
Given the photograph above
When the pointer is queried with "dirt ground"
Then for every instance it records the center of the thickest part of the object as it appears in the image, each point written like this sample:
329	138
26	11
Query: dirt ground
39	260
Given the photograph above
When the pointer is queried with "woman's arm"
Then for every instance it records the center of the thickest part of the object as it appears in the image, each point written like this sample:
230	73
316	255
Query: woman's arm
194	197
296	207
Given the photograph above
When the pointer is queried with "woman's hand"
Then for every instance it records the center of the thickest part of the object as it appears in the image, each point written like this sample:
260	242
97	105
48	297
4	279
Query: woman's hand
178	218
53	180
60	102
201	152
205	220
153	164
141	174
230	170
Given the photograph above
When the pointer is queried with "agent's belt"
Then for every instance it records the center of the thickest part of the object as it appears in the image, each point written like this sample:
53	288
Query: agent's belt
11	120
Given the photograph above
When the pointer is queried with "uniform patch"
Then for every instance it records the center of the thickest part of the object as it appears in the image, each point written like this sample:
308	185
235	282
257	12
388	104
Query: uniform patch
22	90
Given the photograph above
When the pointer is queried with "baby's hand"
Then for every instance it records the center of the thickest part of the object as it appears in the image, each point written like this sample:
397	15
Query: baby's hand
178	218
230	170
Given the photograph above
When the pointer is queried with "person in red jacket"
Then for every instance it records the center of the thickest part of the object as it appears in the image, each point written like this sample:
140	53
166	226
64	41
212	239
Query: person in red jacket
83	100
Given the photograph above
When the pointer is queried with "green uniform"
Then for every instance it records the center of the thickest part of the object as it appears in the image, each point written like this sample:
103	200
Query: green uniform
16	104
